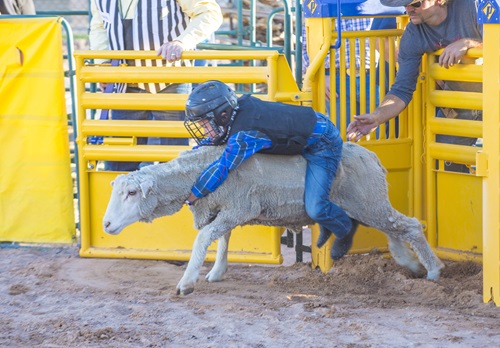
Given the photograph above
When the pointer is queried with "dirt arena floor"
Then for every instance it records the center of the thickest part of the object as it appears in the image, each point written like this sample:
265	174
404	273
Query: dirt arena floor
50	297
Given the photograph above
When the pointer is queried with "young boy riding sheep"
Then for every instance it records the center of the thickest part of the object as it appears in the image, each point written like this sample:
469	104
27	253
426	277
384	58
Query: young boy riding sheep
248	125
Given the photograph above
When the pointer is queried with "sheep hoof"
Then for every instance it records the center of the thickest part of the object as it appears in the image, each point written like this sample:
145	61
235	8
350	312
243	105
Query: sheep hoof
433	275
416	268
184	292
185	288
214	276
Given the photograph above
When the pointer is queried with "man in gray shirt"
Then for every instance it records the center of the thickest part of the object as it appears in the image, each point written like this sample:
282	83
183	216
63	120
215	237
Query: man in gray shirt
434	24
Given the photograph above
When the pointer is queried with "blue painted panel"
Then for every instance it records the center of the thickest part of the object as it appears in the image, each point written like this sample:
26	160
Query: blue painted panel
328	8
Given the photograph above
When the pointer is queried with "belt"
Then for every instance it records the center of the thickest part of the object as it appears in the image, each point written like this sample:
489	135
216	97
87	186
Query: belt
136	85
357	72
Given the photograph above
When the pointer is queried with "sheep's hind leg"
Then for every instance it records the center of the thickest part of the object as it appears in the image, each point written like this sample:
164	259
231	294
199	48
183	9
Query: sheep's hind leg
425	254
220	266
404	256
415	237
410	230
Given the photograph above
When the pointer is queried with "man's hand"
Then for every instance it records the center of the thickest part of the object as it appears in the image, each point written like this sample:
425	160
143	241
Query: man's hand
171	51
361	126
454	52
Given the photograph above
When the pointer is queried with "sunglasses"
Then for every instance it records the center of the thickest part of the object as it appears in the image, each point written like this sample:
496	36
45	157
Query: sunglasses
416	4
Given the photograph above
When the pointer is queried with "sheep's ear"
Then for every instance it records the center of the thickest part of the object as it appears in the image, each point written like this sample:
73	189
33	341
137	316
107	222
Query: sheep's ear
146	187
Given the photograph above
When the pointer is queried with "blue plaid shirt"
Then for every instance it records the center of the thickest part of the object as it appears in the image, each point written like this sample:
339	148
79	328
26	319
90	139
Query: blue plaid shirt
239	148
356	24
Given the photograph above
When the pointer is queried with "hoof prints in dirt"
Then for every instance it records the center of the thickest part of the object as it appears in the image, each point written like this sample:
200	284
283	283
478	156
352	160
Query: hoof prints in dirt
50	298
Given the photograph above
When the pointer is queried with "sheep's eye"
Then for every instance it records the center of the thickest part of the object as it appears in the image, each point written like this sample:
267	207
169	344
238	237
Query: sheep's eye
132	193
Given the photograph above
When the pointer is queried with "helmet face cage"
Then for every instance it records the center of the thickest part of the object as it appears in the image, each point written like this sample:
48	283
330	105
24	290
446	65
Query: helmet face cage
205	131
209	112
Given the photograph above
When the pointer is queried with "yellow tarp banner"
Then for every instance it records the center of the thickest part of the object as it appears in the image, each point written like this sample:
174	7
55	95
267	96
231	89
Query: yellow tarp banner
36	194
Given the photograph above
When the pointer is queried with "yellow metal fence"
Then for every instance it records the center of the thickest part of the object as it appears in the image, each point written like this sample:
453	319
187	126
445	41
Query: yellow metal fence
393	143
459	211
169	237
453	197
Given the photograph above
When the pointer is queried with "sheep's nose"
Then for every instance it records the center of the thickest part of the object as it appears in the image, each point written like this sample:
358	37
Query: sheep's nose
107	224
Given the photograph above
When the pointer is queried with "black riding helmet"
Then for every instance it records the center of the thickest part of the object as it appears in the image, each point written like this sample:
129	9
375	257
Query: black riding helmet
212	102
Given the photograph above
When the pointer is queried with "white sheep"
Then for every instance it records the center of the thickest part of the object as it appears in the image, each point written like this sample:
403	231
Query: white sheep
265	190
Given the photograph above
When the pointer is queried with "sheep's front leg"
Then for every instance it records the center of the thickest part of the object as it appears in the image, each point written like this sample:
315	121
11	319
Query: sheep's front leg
205	237
220	266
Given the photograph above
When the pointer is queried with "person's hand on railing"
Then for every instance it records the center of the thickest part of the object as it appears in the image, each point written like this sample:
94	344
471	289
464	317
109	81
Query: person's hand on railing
454	52
171	51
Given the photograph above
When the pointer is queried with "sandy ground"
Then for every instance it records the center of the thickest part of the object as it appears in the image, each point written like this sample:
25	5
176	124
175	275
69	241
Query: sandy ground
50	297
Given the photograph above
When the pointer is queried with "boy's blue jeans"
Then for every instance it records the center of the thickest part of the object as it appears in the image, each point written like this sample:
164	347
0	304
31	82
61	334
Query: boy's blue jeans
323	159
149	115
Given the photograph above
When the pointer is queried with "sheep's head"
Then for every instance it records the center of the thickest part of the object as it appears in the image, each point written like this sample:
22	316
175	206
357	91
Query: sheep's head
132	199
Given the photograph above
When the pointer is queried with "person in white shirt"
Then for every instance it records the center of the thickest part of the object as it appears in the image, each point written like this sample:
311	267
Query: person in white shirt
166	26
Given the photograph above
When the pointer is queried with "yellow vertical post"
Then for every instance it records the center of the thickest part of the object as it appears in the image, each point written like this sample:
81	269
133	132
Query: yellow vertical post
317	47
416	130
491	144
342	72
272	86
430	175
320	257
82	167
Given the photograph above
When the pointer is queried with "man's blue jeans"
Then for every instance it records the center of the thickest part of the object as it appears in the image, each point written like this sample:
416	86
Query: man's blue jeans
149	115
323	159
